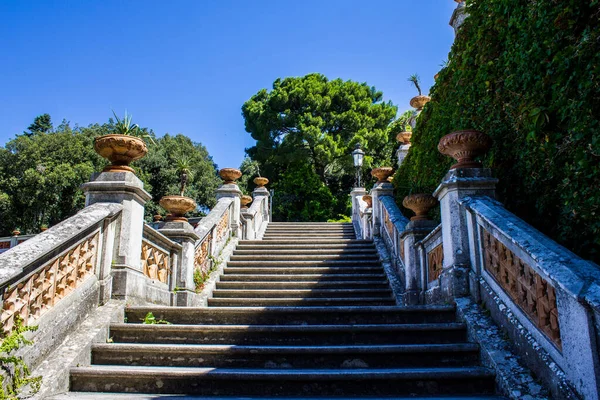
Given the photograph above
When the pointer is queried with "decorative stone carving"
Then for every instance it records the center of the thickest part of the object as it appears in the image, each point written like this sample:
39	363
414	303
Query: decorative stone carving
420	204
526	288
177	206
201	260
435	262
382	173
120	150
155	262
260	181
229	175
419	102
36	294
464	146
367	198
222	227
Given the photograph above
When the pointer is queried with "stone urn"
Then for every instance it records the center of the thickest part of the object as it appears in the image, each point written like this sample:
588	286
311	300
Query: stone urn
43	228
420	204
245	200
260	181
16	232
404	137
229	175
367	198
382	173
464	147
157	218
436	76
177	206
419	101
120	150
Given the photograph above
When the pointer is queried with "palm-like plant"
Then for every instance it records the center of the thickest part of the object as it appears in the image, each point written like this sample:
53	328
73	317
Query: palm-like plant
125	127
184	169
414	79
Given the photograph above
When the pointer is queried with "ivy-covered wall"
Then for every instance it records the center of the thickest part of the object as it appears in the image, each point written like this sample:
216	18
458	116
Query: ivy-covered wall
528	74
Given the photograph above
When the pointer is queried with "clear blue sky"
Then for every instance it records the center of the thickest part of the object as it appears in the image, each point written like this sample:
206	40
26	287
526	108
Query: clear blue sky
188	66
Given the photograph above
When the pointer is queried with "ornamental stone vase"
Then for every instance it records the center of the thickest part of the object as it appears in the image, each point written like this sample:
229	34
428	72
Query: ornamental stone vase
229	175
245	200
420	204
260	181
404	137
464	147
367	198
177	206
419	101
16	232
120	150
382	173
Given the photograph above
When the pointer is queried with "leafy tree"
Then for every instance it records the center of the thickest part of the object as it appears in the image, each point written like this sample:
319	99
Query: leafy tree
41	124
311	124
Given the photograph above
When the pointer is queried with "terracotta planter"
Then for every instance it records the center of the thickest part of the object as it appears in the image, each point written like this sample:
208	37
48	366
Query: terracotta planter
368	199
230	175
382	173
157	218
177	206
420	204
464	147
419	102
16	232
120	150
260	181
404	137
43	228
245	200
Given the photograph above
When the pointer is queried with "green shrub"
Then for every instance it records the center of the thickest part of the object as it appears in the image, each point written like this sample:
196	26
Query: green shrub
528	74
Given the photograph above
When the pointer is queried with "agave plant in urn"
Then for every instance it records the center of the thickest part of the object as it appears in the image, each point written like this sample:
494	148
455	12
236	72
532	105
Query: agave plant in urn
179	205
123	146
419	101
229	175
464	147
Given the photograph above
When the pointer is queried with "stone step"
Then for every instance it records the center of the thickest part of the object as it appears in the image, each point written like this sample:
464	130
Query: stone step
300	301
305	251
308	236
143	396
281	270
303	285
234	356
311	335
291	277
312	241
315	382
310	232
303	263
295	315
302	293
271	245
301	224
305	257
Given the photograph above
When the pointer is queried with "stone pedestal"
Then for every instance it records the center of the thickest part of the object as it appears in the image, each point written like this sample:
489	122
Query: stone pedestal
401	153
127	189
249	232
183	233
355	196
414	232
458	16
379	190
457	184
232	190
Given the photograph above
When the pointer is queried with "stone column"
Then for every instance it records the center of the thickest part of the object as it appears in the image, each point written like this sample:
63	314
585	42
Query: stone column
127	189
457	184
379	190
402	152
414	232
249	232
232	190
355	195
183	233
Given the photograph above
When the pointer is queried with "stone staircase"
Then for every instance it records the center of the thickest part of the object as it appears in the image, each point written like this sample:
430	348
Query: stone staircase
307	311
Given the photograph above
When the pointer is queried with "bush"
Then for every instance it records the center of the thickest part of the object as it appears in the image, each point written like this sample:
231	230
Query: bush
527	73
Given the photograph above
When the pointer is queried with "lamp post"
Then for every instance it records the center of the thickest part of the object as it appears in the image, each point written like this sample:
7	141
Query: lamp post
358	156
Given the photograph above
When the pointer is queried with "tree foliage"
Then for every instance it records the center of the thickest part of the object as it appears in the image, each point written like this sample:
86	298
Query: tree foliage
309	125
41	174
527	74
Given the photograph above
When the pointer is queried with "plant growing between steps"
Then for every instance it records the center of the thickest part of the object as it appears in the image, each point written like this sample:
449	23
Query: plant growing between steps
150	319
200	277
13	367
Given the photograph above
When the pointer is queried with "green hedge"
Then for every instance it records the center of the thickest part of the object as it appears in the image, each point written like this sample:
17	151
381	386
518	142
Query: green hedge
528	74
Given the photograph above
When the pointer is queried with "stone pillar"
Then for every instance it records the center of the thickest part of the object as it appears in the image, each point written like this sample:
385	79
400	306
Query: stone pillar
232	190
457	184
183	233
458	16
401	153
414	232
355	195
249	232
379	190
125	188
